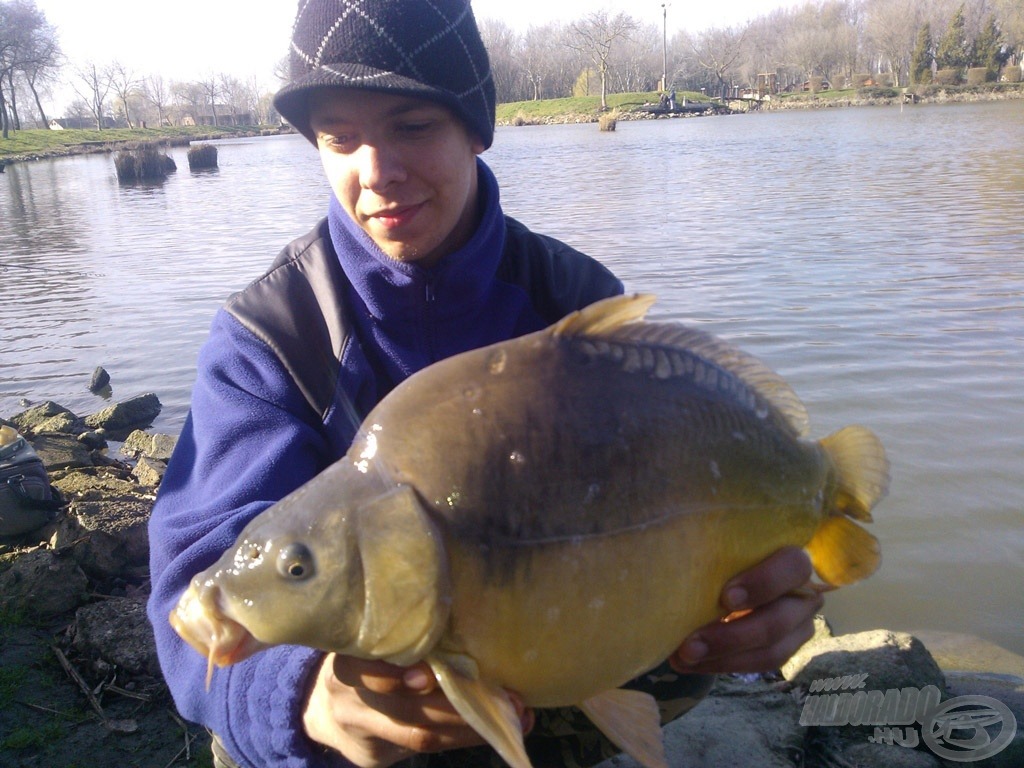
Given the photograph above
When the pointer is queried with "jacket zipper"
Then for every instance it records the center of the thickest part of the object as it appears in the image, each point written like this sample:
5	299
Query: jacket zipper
429	331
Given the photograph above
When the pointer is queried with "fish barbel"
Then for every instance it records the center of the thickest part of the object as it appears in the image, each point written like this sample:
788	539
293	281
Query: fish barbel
551	515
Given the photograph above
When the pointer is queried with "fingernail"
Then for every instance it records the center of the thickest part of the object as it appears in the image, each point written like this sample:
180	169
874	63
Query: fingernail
693	651
415	678
735	598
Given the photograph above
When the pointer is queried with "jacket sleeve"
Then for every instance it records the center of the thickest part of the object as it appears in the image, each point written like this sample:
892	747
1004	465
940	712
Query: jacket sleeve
249	440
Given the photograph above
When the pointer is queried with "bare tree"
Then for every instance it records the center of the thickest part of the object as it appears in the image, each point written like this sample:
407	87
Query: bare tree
189	99
28	54
503	45
717	51
93	88
891	27
125	84
212	89
638	59
595	36
158	94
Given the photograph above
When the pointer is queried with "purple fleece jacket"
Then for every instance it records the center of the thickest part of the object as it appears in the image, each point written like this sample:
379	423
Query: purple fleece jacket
249	440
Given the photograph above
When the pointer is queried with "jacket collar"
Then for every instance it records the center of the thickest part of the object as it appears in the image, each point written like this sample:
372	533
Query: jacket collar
392	290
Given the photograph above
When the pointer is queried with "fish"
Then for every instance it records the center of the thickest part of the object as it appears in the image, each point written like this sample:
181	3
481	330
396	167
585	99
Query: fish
551	515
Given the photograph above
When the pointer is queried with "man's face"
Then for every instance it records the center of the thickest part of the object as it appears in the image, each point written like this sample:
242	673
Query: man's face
403	168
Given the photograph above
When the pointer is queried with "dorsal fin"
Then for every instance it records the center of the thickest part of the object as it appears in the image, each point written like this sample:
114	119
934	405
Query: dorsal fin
617	319
604	316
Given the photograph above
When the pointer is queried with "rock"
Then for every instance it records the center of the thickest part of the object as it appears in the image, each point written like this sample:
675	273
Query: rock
118	632
120	419
96	483
100	379
61	452
738	724
887	755
93	440
140	443
106	537
149	471
889	659
62	423
1007	689
27	421
43	584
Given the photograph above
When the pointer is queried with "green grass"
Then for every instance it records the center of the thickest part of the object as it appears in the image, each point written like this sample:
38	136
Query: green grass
583	106
36	738
39	142
11	680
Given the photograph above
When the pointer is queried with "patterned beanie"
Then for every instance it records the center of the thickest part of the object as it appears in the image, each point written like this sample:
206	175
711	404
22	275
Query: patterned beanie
425	48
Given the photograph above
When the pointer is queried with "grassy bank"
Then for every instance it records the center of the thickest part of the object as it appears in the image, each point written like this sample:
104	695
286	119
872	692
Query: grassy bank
579	108
39	143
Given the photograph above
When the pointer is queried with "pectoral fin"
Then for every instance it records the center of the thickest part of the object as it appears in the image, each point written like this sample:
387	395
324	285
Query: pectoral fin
631	721
485	707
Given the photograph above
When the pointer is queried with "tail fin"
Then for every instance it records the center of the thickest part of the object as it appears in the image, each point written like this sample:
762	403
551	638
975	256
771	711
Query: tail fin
842	551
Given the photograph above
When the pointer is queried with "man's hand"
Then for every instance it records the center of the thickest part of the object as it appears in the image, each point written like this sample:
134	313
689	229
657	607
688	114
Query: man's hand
376	714
772	608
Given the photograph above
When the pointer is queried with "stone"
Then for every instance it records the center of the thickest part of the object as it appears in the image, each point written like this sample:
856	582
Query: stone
140	443
61	452
93	440
100	379
96	484
888	755
43	584
737	724
62	423
120	419
889	659
149	472
28	420
106	536
117	631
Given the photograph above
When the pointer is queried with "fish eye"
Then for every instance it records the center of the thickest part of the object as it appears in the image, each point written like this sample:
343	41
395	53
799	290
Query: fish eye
295	561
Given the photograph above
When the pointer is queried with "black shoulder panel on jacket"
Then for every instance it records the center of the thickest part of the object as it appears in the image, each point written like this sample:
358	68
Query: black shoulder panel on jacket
558	278
296	309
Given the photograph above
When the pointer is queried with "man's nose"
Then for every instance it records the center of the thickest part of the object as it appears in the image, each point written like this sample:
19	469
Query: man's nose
379	166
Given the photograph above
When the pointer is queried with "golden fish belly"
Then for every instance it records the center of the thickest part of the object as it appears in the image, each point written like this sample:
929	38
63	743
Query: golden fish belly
561	621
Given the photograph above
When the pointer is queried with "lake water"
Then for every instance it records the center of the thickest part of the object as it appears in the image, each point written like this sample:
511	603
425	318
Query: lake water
872	256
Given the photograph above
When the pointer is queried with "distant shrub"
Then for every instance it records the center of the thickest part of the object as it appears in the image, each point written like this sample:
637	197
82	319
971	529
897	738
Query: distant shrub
884	80
860	80
815	83
608	121
877	92
980	75
950	76
143	163
202	156
1010	74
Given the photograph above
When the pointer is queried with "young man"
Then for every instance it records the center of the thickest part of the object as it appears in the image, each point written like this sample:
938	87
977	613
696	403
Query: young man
414	262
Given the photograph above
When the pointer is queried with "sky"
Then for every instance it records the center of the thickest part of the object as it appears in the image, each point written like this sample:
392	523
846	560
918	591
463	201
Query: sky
190	39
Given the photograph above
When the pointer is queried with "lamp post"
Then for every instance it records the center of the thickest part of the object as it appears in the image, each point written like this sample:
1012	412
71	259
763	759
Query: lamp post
664	46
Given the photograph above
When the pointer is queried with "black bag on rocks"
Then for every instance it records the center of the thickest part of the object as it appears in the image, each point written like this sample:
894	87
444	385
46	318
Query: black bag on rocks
27	500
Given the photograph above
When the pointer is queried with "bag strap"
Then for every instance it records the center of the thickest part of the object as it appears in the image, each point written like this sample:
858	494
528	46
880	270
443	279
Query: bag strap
17	487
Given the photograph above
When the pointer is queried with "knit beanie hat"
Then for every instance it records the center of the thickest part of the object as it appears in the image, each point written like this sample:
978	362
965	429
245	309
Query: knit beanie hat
425	48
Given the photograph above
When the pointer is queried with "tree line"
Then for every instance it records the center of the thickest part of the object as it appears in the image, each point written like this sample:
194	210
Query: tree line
845	42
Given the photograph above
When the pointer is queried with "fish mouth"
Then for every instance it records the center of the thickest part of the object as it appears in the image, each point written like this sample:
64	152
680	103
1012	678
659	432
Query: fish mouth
201	623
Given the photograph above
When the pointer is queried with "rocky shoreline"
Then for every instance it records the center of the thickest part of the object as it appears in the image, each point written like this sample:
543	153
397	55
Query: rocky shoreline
80	683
